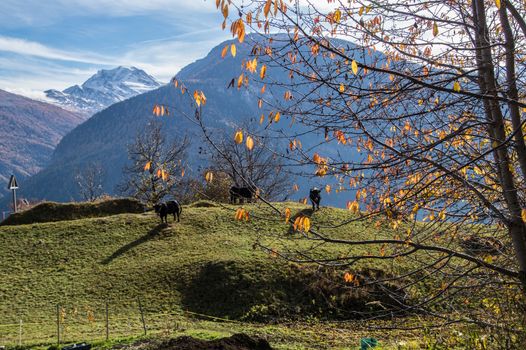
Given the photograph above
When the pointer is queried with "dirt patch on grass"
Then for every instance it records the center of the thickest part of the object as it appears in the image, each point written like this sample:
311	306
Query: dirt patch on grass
51	211
236	342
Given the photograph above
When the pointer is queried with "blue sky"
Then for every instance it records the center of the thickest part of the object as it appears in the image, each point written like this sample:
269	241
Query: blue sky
59	43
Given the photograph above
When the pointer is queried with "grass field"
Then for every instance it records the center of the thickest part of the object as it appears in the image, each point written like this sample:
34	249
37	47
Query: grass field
183	275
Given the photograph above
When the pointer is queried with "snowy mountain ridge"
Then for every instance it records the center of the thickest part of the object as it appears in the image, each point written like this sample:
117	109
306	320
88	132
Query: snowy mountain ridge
103	89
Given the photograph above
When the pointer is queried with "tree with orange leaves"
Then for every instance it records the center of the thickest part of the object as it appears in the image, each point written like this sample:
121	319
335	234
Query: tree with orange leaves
425	104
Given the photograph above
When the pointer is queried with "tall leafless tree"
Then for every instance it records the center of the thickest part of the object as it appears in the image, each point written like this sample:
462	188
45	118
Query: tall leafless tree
258	167
89	179
156	166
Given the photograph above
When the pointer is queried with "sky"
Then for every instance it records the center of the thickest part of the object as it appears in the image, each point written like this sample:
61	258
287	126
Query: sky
54	44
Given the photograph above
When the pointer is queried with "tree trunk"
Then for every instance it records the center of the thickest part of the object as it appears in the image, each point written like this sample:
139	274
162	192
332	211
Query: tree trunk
488	86
512	91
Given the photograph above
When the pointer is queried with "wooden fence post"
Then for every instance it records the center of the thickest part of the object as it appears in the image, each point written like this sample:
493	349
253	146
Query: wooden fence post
142	315
58	324
107	322
20	334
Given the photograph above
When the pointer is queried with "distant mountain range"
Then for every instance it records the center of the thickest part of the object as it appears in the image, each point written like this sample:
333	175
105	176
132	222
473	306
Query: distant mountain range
104	138
29	132
103	89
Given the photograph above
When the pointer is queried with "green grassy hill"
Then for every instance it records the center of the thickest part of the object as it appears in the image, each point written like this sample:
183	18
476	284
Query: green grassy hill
206	264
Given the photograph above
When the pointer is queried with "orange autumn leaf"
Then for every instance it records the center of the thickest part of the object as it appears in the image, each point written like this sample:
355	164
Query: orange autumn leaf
348	277
263	72
224	51
250	143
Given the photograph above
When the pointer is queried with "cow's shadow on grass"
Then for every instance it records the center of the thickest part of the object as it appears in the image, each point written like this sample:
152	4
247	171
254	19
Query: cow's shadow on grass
122	250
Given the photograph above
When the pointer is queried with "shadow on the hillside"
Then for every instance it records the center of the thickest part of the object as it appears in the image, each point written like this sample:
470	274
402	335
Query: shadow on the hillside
151	234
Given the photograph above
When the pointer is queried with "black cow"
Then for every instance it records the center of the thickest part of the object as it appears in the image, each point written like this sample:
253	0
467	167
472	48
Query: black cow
170	207
241	193
315	198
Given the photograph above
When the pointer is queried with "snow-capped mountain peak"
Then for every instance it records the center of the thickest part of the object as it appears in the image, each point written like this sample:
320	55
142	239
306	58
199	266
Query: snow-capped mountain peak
103	89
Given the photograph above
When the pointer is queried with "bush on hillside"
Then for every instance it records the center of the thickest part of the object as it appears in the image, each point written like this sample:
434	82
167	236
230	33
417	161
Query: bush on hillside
51	211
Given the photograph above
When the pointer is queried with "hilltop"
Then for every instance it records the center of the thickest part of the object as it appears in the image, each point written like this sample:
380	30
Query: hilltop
206	264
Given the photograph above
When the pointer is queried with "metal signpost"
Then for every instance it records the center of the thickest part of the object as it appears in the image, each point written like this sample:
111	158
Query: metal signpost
13	186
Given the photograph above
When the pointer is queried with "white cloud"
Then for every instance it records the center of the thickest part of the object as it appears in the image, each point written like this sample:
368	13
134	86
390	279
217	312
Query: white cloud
31	48
36	67
16	13
163	58
29	66
127	7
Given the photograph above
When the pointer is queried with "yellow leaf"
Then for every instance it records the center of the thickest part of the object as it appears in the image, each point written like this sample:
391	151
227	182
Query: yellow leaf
148	166
306	224
263	72
523	215
354	67
435	29
328	188
342	88
241	31
337	15
456	86
277	117
287	215
224	51
250	143
199	98
353	206
497	3
233	50
238	137
164	175
209	176
261	119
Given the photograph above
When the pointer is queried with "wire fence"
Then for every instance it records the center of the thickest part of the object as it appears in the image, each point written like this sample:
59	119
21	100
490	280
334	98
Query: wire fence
68	323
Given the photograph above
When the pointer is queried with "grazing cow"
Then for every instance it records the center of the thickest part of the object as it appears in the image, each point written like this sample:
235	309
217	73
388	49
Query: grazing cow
170	207
315	198
241	193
